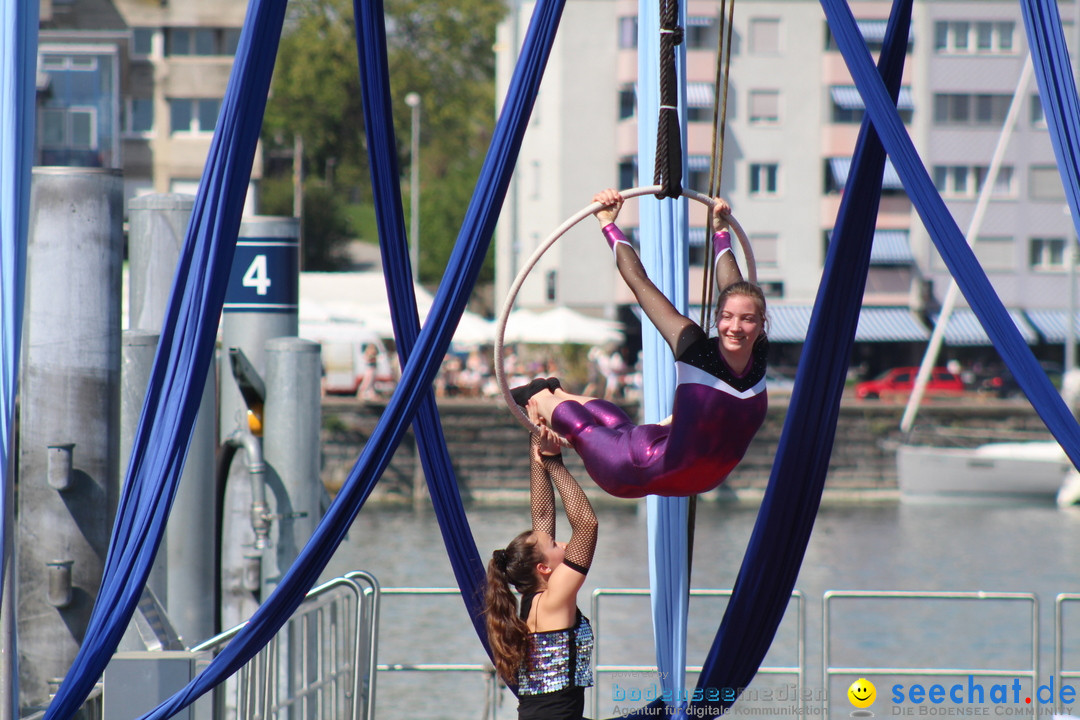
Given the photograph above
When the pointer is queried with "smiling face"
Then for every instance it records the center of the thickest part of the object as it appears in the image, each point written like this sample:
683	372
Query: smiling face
862	693
739	325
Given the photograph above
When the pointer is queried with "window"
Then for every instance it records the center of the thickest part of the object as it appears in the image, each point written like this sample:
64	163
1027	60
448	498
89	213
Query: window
1038	116
983	36
72	127
187	115
963	109
628	33
1044	183
763	178
700	33
765	36
967	181
628	172
203	42
764	107
142	41
994	252
138	116
1047	253
766	249
848	108
627	102
551	278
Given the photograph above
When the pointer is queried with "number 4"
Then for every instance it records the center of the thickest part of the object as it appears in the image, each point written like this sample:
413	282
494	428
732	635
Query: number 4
256	276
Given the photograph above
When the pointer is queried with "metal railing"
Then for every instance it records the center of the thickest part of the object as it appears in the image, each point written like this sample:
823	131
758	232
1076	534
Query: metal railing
484	668
1060	671
321	664
828	670
798	670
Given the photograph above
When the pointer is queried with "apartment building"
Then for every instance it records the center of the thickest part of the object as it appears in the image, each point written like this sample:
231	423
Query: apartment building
793	116
137	86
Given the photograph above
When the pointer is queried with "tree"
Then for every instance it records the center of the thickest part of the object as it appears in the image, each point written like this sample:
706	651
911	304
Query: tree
440	49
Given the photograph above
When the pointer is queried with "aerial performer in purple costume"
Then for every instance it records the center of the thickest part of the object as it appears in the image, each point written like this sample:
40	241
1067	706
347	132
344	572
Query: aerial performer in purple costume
720	399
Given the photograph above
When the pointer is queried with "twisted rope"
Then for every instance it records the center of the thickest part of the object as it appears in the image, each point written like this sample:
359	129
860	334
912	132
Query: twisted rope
668	167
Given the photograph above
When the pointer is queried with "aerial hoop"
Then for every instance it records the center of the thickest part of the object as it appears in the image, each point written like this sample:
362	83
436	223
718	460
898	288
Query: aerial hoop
508	306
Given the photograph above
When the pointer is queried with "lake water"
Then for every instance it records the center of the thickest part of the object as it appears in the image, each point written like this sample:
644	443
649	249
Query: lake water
866	546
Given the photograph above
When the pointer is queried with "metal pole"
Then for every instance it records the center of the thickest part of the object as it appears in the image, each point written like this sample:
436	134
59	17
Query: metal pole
413	101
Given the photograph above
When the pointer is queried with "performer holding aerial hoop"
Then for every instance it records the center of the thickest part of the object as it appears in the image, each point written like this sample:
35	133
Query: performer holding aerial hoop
720	398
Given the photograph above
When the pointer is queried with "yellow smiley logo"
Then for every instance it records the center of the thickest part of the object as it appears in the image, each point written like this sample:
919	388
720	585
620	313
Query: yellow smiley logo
862	693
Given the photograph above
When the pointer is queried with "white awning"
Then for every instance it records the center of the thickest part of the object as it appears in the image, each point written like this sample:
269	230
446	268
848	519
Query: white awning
842	165
965	329
848	97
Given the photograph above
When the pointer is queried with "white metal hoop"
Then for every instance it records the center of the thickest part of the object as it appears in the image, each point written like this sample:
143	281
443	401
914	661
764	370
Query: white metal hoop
508	305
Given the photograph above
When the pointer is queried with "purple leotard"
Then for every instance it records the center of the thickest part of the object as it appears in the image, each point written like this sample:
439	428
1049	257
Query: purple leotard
714	417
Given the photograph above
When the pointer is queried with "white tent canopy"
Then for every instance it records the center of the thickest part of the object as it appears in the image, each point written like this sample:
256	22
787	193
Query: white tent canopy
559	325
334	301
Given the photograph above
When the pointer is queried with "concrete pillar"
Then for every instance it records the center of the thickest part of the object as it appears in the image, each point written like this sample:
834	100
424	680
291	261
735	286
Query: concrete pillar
68	439
158	227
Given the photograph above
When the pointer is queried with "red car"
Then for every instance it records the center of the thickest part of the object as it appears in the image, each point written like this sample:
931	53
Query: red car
898	382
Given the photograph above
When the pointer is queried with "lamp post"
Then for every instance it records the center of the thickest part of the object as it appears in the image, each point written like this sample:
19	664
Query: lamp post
413	101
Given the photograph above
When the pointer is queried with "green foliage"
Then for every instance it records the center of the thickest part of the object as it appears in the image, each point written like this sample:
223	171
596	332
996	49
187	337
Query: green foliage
325	230
439	49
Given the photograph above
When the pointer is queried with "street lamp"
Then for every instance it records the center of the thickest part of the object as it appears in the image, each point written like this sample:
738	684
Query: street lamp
413	101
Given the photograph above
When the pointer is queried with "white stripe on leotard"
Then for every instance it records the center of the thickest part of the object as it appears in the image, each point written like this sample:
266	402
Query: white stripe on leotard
688	374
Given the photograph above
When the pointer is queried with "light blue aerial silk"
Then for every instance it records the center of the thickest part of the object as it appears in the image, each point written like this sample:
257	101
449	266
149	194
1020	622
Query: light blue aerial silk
663	228
18	90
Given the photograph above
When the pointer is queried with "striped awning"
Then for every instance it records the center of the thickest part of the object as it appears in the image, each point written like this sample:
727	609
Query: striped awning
789	324
1051	324
699	94
890	247
848	97
698	163
965	330
841	166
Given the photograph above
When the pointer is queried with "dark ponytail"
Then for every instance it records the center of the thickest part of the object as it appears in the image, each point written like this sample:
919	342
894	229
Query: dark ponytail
507	633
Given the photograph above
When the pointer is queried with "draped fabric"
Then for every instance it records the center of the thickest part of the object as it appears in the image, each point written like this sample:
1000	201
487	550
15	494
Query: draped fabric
431	345
663	230
1057	90
184	354
1044	31
18	88
435	457
786	518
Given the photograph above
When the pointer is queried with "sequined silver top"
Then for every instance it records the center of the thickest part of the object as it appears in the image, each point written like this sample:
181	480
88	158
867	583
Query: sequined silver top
559	659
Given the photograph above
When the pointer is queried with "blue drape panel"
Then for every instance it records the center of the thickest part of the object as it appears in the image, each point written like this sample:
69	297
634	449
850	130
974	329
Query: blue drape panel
786	518
418	374
663	228
1057	89
385	180
184	354
947	237
18	89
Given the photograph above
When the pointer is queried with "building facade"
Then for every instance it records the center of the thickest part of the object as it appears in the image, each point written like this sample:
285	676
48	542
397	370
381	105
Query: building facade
792	119
136	86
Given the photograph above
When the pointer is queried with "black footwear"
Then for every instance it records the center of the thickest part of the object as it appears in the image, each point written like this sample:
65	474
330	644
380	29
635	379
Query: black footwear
522	394
553	384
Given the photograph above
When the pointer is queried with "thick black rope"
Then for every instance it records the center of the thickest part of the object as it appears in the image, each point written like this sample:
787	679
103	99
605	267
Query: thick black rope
668	172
